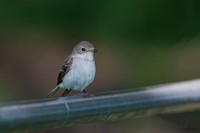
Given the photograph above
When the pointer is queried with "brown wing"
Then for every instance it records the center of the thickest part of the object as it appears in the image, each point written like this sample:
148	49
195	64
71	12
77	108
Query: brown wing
64	70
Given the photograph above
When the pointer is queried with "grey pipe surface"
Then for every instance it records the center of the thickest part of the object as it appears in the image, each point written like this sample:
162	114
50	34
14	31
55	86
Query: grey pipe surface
126	104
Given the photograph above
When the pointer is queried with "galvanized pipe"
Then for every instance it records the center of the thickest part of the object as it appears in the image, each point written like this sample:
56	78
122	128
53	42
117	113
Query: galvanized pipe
72	110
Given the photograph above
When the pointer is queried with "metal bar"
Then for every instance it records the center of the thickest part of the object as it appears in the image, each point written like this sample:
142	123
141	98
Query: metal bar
72	110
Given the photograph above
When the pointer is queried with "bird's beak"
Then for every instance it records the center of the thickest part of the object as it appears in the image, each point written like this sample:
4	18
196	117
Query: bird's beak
93	50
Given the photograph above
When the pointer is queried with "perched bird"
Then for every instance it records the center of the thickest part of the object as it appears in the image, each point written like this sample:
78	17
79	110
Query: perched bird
78	70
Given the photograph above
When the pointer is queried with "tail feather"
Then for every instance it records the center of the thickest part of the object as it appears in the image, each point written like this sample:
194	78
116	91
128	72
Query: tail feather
53	91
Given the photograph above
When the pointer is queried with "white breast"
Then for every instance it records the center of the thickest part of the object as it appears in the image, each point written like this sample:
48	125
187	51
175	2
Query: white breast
81	74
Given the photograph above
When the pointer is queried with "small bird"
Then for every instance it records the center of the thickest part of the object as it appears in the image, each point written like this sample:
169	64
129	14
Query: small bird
78	70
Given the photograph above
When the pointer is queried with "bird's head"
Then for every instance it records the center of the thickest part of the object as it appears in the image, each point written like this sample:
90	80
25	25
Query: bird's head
84	49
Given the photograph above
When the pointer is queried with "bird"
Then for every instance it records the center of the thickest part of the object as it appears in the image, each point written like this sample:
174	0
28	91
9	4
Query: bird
78	71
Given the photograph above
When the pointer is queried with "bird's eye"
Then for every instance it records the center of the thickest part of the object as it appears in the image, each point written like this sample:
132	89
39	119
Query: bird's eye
83	49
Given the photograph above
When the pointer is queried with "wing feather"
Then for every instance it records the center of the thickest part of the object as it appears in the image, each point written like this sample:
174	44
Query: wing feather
64	70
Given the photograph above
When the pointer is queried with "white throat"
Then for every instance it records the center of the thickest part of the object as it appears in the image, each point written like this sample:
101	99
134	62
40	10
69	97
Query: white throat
85	56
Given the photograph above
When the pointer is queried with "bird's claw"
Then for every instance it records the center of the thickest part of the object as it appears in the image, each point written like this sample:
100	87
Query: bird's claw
85	94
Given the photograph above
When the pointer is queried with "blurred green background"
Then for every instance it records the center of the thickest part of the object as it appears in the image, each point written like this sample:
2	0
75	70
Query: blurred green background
139	42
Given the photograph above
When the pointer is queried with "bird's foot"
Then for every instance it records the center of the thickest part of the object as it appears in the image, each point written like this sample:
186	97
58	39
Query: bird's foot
85	94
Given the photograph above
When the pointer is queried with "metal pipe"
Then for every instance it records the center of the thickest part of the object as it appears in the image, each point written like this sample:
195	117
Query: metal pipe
126	104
